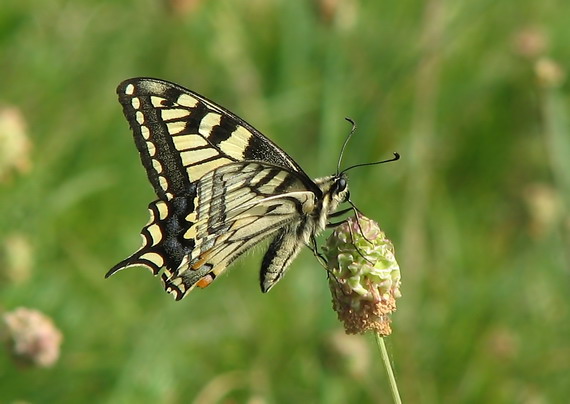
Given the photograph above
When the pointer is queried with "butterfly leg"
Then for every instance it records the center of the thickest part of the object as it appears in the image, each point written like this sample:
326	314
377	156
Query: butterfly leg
331	225
313	246
322	259
335	224
355	246
341	212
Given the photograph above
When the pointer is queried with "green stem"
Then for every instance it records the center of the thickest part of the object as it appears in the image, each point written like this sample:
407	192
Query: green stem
389	371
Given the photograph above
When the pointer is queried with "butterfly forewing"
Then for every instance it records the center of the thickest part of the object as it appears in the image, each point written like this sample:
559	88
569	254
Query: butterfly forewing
181	135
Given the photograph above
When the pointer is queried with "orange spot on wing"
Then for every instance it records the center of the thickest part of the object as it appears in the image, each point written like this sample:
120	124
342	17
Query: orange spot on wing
205	281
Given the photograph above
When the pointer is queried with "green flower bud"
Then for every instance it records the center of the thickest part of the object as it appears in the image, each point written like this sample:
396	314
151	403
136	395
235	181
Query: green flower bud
364	276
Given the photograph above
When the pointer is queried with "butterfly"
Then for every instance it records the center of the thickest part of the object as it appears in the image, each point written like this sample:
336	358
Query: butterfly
222	188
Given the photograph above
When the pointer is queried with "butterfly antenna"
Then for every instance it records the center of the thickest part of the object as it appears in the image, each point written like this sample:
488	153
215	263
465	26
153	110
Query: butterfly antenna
345	143
396	157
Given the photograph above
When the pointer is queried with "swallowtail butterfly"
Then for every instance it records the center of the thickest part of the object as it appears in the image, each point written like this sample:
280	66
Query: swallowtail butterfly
222	188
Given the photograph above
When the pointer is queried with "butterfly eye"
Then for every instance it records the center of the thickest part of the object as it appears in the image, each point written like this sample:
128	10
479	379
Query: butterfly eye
341	185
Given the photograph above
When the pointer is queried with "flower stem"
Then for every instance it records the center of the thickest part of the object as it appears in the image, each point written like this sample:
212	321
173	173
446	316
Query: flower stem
388	366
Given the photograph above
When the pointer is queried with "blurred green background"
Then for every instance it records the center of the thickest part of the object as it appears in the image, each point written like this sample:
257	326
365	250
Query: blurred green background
472	94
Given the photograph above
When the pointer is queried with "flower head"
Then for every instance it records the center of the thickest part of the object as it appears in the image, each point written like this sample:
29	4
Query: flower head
364	276
31	337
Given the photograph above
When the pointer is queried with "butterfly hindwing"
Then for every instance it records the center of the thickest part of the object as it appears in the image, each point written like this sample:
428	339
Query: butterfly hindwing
234	208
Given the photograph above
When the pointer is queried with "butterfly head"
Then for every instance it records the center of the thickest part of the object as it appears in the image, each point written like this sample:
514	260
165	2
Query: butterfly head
334	189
